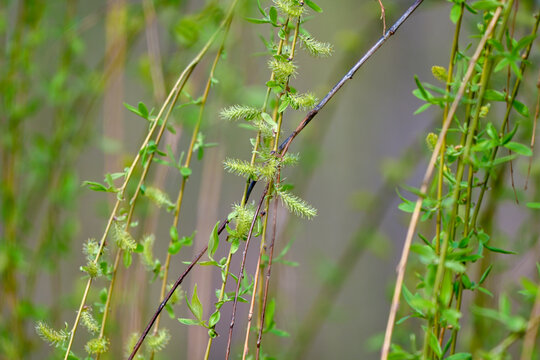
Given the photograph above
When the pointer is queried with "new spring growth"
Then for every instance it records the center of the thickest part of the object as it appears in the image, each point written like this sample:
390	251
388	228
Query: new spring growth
97	346
439	73
484	110
147	255
296	205
123	238
237	112
55	338
158	341
302	101
431	141
159	198
90	249
243	215
290	7
316	48
282	68
89	321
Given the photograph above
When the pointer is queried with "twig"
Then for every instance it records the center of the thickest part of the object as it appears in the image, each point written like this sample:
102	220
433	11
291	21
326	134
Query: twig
241	273
533	136
383	16
267	280
169	294
284	147
427	176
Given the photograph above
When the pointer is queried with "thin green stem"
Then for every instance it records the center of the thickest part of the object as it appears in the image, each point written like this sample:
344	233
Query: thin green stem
187	163
256	279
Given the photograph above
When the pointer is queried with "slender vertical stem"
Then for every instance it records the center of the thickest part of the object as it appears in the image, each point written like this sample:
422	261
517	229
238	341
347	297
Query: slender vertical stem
256	279
267	280
241	272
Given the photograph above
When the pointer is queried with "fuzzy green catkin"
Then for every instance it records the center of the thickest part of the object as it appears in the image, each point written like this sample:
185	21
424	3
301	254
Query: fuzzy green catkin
290	7
159	341
282	69
97	346
53	337
89	321
296	205
439	73
240	167
92	269
262	126
431	141
303	101
316	48
90	249
130	344
123	238
290	159
237	112
268	170
244	217
159	197
176	296
147	255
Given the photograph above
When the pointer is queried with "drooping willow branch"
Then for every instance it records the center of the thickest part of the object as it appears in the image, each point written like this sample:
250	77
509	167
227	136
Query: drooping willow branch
282	150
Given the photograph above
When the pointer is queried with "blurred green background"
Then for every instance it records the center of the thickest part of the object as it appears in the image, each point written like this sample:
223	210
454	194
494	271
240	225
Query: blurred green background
66	70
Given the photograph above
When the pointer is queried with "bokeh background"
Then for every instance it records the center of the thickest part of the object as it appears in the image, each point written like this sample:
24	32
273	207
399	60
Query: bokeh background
67	69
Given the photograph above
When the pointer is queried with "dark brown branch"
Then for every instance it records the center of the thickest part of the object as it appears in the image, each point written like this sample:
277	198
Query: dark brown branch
284	147
241	273
169	294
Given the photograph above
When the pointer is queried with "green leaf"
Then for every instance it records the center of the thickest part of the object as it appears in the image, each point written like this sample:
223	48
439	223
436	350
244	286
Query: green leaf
175	247
273	14
127	259
519	148
170	311
268	119
213	242
173	232
95	186
188	321
460	356
497	250
312	5
143	110
434	344
485	5
133	109
533	205
214	319
185	171
521	108
455	13
257	21
494	95
485	274
284	104
279	332
195	306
